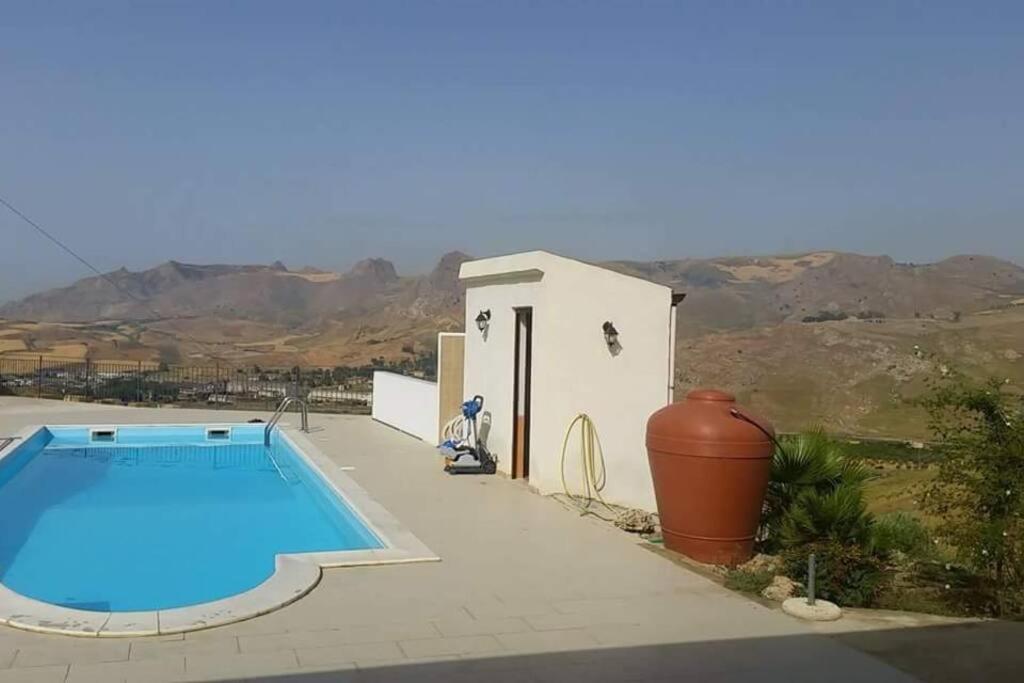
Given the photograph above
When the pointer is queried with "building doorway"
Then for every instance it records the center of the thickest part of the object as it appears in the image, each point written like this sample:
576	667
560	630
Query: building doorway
521	394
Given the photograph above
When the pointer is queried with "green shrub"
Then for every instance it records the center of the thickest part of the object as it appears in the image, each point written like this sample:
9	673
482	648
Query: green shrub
825	316
899	532
848	575
979	491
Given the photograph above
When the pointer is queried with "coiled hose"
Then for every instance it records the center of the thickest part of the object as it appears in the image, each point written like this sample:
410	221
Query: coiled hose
592	463
594	479
453	429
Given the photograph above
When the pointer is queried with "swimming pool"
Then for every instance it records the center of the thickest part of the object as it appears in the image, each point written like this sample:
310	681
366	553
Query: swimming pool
136	519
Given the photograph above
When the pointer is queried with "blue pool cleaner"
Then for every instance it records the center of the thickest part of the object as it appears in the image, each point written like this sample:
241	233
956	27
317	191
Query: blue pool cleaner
467	454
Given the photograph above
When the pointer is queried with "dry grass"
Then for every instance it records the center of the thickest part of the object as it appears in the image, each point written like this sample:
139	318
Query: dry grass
8	345
777	269
852	377
76	350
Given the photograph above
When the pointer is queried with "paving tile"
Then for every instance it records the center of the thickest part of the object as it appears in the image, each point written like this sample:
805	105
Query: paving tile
665	609
439	647
163	637
268	623
12	637
71	651
287	641
36	674
371	633
316	657
239	665
148	671
156	649
547	641
559	621
597	606
494	608
335	611
468	626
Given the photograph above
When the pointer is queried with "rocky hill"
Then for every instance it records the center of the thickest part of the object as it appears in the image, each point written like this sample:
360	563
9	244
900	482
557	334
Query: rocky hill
725	293
193	313
172	290
820	337
740	293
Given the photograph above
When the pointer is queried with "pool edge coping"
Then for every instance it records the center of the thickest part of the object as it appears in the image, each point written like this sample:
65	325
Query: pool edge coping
294	576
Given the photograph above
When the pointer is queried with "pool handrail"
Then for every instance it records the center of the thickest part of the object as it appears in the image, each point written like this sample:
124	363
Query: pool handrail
281	408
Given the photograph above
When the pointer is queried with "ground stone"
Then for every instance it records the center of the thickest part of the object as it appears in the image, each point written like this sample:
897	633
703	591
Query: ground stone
760	563
781	589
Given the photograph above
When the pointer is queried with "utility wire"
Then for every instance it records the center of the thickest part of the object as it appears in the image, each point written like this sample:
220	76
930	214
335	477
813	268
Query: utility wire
111	281
39	228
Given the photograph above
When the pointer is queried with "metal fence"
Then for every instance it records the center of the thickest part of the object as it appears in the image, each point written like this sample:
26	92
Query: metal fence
149	383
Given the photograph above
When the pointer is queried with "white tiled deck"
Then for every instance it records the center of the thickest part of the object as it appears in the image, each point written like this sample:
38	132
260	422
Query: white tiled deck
525	591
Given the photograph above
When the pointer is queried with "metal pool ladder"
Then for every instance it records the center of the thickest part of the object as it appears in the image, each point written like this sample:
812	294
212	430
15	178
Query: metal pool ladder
281	408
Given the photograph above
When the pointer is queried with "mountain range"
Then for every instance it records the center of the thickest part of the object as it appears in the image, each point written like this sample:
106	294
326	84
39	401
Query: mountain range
784	332
723	293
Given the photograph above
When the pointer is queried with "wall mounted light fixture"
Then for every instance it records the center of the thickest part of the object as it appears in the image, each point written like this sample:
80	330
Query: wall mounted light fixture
611	335
483	320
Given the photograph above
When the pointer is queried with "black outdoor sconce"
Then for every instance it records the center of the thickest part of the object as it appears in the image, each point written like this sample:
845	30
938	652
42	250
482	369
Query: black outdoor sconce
611	335
483	320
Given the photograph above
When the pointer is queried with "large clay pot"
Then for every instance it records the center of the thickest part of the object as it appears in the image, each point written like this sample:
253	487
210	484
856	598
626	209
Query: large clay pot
710	462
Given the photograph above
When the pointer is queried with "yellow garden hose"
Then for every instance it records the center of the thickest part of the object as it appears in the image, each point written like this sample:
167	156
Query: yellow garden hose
592	463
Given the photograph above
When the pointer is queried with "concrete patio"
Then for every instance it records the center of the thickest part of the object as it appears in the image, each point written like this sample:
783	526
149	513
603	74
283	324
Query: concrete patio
525	591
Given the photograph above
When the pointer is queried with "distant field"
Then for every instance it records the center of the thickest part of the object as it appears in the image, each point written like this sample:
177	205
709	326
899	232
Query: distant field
896	452
901	475
900	490
853	377
75	350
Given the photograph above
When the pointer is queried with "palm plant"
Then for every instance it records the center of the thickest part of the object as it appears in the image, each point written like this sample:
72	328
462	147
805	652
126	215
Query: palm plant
811	476
839	515
815	504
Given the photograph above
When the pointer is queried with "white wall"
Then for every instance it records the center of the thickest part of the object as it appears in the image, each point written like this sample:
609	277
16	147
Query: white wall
573	370
406	403
489	363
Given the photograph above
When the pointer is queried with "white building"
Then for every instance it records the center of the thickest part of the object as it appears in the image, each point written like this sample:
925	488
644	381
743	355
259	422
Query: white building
544	357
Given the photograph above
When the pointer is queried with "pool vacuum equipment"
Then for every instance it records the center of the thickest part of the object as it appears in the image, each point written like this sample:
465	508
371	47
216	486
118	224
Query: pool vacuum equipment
467	454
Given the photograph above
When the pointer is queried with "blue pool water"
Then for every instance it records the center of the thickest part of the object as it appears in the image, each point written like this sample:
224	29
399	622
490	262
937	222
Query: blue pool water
162	517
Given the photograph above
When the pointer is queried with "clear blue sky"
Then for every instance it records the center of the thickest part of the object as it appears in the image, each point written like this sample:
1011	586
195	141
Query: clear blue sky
323	133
